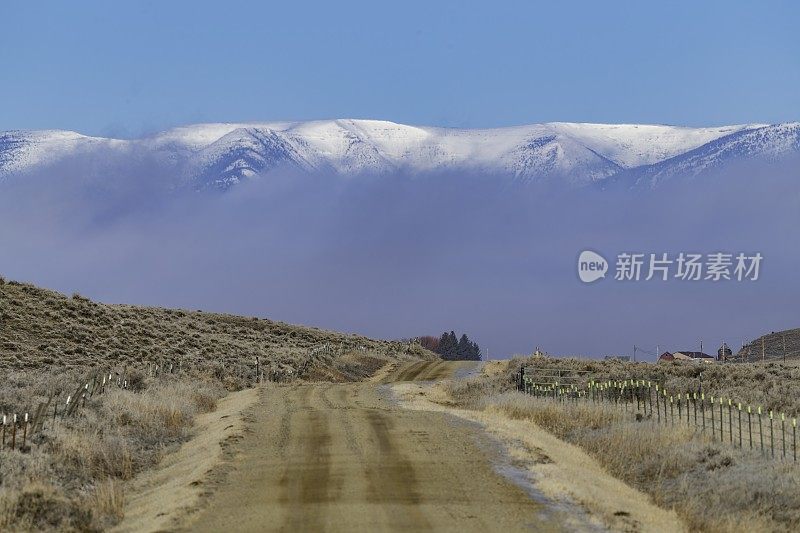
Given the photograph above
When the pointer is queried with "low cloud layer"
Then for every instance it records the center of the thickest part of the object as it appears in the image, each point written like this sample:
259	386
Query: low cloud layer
399	256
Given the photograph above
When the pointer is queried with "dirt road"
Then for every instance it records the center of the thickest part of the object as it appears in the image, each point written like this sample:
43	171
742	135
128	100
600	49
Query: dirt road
345	457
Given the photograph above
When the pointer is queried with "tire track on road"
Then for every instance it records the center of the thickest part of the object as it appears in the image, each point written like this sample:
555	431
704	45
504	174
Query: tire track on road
345	457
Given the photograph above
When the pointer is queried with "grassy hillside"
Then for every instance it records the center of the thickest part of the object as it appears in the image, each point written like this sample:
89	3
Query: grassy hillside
774	345
44	329
71	474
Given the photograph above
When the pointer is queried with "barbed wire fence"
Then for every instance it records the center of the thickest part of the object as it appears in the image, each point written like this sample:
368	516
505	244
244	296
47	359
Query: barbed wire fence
724	420
20	426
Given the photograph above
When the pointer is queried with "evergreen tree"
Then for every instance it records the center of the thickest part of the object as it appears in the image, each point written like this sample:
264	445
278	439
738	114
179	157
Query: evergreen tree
464	348
475	352
441	349
448	346
452	348
452	344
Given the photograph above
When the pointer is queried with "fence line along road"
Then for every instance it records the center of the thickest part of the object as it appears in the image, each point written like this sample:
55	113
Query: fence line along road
746	427
20	427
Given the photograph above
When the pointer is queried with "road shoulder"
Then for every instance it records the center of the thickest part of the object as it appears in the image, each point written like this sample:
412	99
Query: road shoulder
563	473
159	498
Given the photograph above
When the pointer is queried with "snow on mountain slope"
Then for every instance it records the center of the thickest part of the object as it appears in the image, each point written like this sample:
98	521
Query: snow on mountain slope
576	153
220	155
766	143
243	153
22	150
633	145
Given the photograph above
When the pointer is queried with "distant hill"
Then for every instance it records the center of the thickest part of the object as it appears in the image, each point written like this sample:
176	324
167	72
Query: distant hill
774	345
44	329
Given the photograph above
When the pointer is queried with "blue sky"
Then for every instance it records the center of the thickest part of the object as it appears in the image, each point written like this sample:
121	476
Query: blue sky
127	69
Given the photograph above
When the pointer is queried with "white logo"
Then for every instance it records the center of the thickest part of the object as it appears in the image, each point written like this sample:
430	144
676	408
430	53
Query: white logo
664	266
591	266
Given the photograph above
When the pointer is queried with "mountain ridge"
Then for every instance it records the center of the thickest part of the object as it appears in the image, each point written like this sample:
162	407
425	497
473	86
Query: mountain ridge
219	155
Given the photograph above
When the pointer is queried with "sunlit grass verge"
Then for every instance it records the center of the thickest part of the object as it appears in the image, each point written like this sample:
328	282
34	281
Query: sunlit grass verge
72	477
712	487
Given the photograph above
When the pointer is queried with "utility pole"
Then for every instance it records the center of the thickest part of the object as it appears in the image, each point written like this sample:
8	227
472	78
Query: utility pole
783	335
634	353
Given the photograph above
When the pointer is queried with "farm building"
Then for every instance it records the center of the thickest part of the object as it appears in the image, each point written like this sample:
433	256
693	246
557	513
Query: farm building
686	356
693	356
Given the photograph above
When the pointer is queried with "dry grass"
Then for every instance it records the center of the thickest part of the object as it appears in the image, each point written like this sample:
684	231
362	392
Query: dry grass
550	415
108	499
72	477
712	487
41	329
772	385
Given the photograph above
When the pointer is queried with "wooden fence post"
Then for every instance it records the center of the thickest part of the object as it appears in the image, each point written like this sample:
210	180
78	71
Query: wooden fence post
40	425
703	409
658	406
730	420
688	422
713	422
72	400
672	409
36	416
783	435
771	436
739	406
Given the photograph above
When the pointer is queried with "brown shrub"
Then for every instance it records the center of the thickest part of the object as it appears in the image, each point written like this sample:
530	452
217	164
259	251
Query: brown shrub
117	434
108	499
41	507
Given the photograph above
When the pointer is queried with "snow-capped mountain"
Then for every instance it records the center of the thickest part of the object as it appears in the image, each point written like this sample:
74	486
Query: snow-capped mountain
221	155
768	143
24	150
